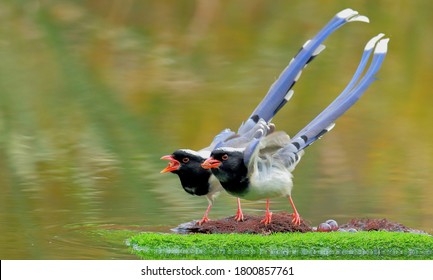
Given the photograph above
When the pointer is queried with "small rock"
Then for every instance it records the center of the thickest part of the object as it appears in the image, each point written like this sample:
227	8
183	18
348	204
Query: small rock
333	224
324	227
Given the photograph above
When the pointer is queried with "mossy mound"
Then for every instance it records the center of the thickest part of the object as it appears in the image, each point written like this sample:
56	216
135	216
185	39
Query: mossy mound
282	222
311	245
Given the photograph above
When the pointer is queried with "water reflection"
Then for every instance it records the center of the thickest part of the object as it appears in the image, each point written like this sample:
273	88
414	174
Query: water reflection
92	94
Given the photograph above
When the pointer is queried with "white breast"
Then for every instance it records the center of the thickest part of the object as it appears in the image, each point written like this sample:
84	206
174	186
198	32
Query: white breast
268	181
215	185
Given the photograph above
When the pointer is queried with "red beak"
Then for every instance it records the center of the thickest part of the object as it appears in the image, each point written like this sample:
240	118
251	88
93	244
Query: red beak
173	165
211	163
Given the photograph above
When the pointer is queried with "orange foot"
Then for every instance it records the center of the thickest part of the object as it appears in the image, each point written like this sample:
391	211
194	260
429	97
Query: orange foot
268	218
202	221
296	219
239	216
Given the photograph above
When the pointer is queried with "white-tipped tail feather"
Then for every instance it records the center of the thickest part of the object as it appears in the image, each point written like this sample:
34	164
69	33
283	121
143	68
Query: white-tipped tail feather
370	45
351	15
382	46
276	97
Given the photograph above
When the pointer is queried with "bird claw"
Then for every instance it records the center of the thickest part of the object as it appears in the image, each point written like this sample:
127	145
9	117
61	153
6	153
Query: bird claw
268	218
296	219
239	216
202	221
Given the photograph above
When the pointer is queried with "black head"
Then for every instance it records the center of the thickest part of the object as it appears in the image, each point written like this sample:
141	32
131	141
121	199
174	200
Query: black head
227	164
187	165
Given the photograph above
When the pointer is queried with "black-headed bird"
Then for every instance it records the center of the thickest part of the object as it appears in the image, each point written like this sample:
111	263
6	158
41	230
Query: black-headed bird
186	163
263	169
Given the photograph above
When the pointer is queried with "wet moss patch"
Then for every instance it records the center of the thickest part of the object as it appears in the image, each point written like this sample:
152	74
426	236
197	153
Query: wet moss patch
312	245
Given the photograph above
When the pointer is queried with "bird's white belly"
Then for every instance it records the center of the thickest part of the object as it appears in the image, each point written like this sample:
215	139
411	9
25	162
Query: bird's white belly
215	185
263	186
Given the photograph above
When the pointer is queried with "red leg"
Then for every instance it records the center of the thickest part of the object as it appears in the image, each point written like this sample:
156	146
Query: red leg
239	215
268	215
205	218
296	218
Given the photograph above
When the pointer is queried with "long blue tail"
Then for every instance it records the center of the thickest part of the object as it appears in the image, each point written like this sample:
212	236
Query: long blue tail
281	90
354	90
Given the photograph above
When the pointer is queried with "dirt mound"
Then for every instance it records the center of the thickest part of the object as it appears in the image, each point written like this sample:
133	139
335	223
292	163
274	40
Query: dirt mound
282	222
377	224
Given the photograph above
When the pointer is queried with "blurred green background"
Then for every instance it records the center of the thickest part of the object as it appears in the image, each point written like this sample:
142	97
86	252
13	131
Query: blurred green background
93	93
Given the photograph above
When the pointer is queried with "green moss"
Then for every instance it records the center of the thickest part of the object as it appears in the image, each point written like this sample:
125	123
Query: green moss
335	245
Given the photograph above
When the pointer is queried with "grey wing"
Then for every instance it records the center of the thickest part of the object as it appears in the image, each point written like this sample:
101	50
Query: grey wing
260	129
289	156
221	137
265	147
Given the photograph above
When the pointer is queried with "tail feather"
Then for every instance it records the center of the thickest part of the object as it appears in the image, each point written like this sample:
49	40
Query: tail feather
369	47
324	122
281	90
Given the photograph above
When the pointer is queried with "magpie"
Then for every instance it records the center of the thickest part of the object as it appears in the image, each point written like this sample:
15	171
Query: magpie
263	169
186	163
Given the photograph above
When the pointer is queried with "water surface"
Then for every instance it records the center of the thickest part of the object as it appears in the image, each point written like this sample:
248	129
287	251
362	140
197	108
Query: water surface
93	93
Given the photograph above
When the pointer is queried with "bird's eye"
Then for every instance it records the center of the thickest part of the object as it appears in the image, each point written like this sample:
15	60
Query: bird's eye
185	160
225	157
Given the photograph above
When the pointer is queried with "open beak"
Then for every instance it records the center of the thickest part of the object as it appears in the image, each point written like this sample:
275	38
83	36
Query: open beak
211	163
173	165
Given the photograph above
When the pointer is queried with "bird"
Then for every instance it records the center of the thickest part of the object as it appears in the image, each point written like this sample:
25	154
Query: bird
186	163
263	169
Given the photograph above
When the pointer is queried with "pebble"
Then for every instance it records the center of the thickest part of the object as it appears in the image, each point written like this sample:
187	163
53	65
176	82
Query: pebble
333	224
324	227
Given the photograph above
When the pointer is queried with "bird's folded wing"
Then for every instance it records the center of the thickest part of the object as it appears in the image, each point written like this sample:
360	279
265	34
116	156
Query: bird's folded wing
260	129
263	148
220	137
